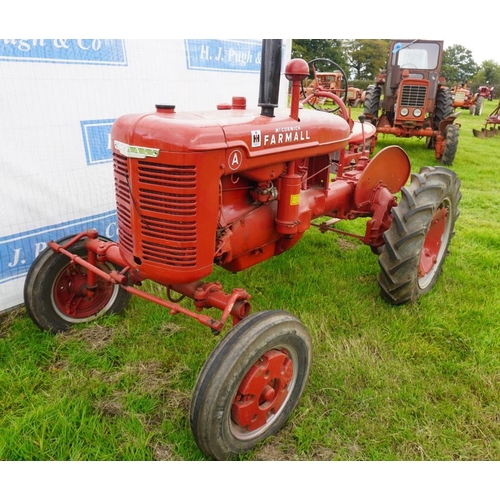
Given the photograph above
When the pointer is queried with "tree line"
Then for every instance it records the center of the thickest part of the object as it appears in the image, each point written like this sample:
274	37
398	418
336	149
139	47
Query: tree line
363	59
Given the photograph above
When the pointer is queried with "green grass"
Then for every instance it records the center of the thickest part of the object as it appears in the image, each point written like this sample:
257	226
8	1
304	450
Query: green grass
414	382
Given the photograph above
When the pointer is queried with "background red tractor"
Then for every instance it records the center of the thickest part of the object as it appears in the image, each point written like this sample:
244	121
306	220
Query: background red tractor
486	92
483	93
464	98
327	76
355	97
410	98
233	187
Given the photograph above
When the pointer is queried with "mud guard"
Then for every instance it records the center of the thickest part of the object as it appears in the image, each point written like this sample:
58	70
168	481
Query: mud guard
390	168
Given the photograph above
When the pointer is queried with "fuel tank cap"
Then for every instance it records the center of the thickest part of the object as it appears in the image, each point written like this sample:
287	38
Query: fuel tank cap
165	108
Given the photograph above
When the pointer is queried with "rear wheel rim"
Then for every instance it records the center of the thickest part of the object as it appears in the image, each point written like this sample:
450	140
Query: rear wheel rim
435	244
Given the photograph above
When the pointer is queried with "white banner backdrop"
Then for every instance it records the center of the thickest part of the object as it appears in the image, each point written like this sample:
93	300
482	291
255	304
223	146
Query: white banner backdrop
58	101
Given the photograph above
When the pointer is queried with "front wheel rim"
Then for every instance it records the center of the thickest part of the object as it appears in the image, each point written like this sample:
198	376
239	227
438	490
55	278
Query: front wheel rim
71	301
263	393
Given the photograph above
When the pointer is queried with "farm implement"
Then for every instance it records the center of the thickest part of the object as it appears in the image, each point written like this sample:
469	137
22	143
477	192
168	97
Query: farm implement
490	128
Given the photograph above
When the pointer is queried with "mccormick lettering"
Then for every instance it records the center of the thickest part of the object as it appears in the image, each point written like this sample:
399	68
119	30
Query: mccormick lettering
287	129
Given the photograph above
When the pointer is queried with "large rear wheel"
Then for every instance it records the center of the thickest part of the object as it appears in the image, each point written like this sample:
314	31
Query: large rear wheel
55	292
444	106
250	384
417	241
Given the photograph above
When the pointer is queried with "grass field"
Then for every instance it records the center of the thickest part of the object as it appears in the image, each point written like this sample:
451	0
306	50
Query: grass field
408	383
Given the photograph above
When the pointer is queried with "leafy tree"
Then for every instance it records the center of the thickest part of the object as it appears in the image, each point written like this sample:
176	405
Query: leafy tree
458	65
489	74
310	48
366	57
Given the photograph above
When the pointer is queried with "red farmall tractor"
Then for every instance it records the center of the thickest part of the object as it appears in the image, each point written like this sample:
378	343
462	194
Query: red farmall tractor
233	187
410	98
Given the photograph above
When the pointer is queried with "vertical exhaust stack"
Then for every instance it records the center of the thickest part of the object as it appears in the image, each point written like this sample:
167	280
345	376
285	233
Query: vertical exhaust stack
270	76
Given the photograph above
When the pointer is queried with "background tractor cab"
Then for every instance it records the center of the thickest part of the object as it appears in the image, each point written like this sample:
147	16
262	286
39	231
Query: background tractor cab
410	98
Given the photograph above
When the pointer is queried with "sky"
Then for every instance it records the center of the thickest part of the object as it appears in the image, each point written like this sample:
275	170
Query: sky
455	23
482	48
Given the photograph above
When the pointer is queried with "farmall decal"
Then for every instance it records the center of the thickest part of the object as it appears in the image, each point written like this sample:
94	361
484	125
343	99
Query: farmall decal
282	135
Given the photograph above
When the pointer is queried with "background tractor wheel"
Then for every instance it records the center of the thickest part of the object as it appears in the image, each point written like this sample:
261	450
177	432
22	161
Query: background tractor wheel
479	106
444	106
417	241
250	383
54	290
451	132
372	102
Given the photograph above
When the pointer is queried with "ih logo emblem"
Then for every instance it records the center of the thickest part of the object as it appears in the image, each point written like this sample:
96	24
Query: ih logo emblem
256	139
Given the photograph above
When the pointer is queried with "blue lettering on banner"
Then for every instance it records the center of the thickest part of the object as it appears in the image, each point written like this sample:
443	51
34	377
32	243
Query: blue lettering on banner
18	251
224	55
97	140
64	50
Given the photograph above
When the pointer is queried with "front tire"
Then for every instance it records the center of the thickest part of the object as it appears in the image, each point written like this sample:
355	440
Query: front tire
54	291
250	384
416	243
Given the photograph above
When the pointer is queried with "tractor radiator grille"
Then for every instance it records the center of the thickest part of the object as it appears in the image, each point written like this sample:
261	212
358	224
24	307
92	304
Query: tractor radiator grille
165	204
460	96
413	96
123	202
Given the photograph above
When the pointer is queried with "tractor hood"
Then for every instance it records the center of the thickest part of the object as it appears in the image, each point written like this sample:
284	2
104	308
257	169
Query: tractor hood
169	131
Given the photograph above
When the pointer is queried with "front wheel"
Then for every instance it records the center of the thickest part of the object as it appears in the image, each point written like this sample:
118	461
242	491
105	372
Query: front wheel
55	292
417	241
250	384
